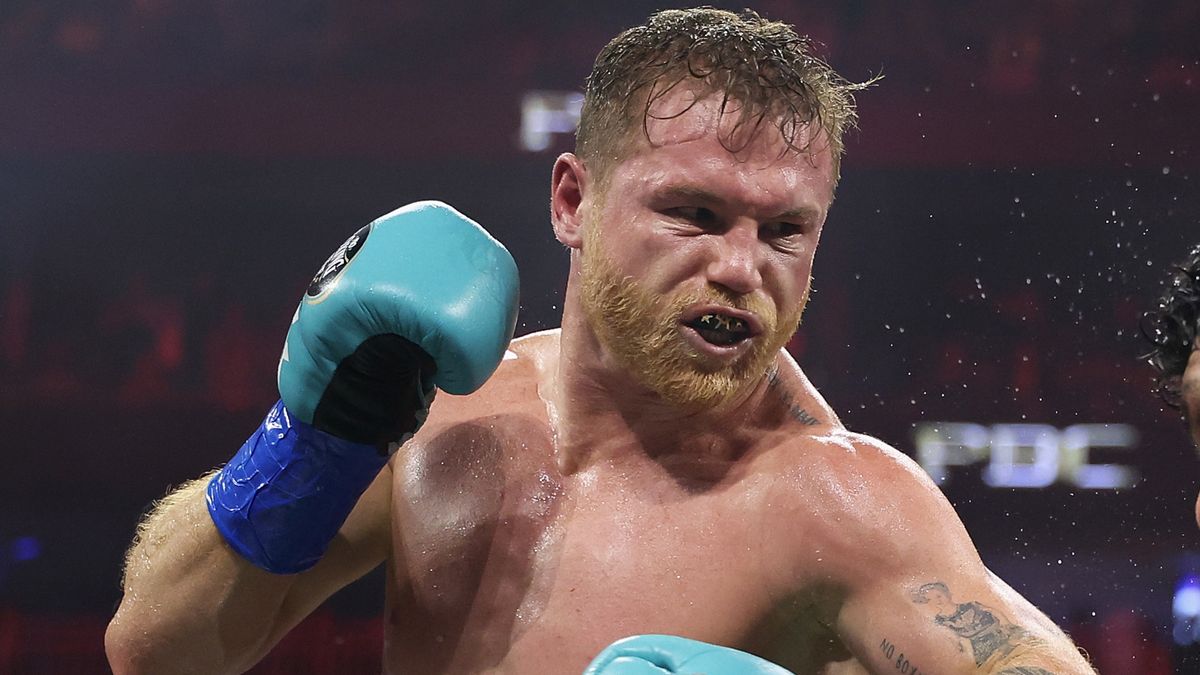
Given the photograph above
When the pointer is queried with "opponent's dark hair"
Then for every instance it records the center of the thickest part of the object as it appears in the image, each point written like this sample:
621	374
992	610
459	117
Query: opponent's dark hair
1172	326
763	67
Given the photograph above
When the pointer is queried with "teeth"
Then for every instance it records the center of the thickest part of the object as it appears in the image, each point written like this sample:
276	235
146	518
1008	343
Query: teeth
722	322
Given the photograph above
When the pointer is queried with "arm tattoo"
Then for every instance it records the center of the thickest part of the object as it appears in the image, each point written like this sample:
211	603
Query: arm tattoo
989	633
900	661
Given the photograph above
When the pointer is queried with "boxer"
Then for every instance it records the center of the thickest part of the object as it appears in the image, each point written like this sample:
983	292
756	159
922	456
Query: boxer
1173	328
653	487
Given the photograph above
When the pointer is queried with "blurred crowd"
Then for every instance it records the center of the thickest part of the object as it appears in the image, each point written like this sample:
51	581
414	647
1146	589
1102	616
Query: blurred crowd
1015	47
1011	354
1020	350
142	346
1000	349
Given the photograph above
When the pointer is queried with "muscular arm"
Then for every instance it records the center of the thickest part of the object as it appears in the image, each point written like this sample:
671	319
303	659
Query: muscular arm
924	603
193	605
307	496
1003	634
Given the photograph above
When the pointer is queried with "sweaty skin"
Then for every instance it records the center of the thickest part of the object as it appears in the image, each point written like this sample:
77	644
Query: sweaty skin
566	504
513	566
606	483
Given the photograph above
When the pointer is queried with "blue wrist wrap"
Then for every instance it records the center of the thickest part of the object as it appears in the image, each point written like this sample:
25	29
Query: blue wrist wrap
287	491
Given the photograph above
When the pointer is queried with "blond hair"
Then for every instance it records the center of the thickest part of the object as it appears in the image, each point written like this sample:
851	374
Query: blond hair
763	68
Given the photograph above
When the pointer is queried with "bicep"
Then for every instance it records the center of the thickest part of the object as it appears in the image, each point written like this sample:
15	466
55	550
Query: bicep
917	598
930	605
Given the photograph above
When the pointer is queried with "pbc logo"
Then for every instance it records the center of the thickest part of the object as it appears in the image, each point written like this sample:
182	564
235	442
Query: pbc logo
1027	455
332	269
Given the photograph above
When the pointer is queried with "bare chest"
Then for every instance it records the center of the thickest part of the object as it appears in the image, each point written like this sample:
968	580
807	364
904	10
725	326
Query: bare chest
503	571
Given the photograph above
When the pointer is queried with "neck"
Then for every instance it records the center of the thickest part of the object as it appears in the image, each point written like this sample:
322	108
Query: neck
600	413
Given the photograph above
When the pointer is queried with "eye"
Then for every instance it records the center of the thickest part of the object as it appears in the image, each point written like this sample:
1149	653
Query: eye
693	214
781	230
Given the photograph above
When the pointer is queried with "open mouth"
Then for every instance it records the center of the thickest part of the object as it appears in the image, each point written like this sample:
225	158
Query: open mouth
722	330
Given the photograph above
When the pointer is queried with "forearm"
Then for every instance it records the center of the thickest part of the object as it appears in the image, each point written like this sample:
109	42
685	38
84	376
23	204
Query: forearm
1059	659
962	626
190	603
1039	670
1046	665
1025	655
229	563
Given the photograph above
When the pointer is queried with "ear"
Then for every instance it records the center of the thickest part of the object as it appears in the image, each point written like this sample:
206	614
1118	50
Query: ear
568	186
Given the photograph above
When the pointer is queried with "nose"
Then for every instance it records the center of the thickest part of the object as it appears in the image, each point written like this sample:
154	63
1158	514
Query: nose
735	260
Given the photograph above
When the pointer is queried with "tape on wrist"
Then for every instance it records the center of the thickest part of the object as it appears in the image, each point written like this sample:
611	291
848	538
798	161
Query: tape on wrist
286	493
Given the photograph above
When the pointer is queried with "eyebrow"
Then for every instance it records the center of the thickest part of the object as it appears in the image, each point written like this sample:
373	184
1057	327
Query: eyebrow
690	193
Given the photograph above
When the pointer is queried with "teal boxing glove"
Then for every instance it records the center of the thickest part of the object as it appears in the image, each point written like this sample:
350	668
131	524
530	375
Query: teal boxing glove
423	274
659	654
421	297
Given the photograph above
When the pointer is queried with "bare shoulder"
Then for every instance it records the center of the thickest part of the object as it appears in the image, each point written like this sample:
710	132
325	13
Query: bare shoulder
850	471
478	435
538	349
864	503
888	474
875	550
512	386
819	464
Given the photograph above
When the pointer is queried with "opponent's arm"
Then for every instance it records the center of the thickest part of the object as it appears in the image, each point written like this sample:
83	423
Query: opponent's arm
419	298
926	605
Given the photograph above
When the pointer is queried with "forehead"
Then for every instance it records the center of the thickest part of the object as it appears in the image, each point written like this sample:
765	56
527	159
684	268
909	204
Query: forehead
688	138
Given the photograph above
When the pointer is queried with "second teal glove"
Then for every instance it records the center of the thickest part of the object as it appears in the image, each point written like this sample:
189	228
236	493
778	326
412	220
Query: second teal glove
659	654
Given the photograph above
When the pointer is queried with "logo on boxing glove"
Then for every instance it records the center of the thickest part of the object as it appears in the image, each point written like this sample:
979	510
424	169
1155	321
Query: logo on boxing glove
329	273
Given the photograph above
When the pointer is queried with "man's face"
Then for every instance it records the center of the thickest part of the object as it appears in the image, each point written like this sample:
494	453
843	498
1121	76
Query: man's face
696	261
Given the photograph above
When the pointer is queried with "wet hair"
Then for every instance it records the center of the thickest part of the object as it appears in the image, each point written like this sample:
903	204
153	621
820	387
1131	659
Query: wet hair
762	70
1172	326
